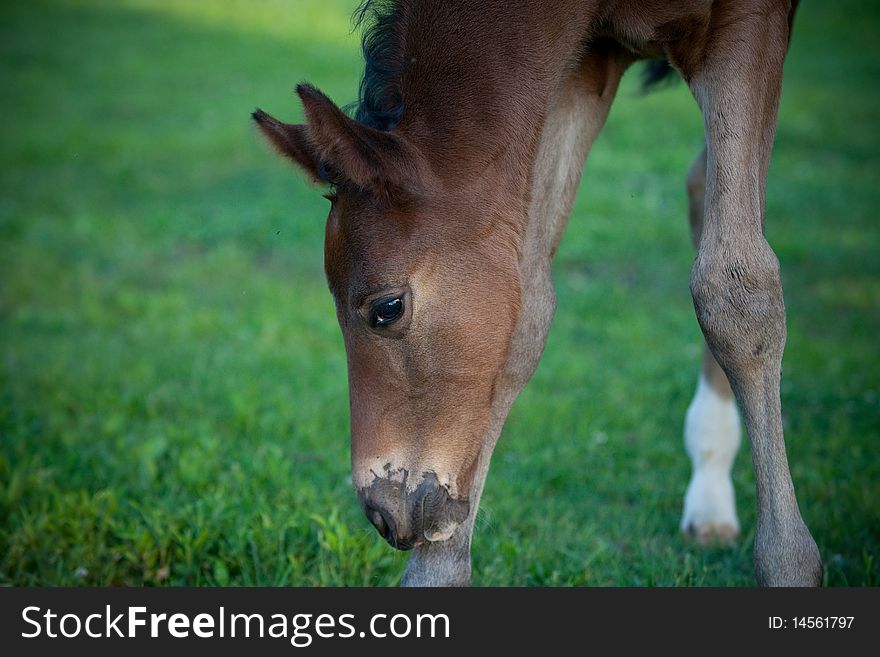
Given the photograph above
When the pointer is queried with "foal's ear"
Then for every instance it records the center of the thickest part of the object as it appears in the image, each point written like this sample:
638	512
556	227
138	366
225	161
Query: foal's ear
290	140
333	143
370	158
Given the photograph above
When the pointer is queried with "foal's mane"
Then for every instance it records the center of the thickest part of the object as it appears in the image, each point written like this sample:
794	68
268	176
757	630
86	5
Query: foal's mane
380	100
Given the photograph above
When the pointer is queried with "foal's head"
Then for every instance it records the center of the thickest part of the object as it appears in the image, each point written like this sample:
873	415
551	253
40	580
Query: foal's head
427	296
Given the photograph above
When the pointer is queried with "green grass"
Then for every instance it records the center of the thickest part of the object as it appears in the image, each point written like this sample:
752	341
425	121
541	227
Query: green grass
173	400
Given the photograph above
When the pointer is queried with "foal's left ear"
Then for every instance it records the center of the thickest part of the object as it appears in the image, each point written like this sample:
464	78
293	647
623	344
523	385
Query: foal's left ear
350	151
290	140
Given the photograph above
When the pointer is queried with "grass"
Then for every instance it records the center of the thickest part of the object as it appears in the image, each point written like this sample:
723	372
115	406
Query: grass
173	400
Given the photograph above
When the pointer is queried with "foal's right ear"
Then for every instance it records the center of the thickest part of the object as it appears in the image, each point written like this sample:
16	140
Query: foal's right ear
290	140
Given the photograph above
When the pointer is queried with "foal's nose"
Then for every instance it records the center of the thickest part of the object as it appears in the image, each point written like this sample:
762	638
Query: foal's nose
409	518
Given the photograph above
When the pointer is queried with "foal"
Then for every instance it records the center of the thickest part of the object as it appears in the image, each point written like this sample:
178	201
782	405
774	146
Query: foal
451	190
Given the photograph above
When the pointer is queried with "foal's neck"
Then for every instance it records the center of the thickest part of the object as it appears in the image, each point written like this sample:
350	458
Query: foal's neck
477	79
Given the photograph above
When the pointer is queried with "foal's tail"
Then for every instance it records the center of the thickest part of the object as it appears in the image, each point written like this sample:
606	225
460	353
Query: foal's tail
658	71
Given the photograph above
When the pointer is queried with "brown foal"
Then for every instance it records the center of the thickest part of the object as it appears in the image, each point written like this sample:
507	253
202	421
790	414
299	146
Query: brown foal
451	189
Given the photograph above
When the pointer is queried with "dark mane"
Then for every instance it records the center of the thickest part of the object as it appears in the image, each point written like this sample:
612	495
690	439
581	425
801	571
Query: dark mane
380	101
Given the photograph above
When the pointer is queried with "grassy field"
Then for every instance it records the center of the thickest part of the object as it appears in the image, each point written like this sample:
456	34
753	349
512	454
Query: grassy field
173	399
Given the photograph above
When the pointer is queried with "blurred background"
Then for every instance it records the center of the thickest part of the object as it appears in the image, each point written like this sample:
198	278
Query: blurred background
173	394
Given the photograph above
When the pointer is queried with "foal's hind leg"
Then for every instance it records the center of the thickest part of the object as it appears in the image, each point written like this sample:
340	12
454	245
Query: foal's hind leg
735	279
712	427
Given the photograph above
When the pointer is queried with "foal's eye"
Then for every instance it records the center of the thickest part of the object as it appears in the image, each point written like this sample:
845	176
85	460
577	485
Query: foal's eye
385	311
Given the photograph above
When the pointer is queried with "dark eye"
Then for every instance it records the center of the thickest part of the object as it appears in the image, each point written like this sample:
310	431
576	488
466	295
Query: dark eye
385	311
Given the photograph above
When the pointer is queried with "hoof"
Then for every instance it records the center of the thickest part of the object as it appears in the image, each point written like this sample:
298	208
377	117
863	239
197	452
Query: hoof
712	535
709	516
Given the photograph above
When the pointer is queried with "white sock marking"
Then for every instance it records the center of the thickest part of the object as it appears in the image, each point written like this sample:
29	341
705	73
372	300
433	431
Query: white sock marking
711	437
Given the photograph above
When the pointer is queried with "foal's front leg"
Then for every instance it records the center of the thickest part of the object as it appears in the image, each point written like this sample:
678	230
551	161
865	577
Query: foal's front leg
712	426
447	563
735	279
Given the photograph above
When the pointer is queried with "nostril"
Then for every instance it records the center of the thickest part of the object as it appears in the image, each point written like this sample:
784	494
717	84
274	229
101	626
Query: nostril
378	521
441	515
381	523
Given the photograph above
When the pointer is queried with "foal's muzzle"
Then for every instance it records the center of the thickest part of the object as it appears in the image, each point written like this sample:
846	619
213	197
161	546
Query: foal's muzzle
407	519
